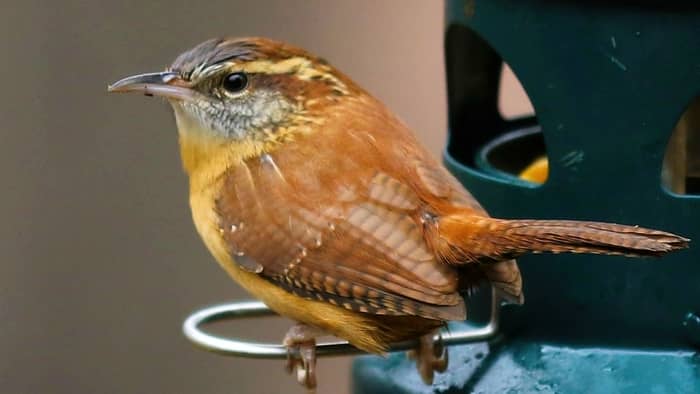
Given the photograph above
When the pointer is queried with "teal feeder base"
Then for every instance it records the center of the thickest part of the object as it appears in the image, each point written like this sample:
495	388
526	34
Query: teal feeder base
533	367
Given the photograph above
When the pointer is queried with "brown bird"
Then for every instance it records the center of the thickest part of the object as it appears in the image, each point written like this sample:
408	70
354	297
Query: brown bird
317	200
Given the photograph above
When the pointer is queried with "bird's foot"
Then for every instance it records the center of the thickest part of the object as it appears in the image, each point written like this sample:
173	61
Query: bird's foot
300	341
430	357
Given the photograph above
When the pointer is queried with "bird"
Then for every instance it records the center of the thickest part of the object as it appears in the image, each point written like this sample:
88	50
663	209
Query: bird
320	202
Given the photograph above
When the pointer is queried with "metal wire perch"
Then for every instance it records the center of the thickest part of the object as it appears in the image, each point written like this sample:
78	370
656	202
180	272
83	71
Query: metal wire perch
253	309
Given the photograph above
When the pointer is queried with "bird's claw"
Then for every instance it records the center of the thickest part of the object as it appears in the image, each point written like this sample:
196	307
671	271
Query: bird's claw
301	361
430	357
301	354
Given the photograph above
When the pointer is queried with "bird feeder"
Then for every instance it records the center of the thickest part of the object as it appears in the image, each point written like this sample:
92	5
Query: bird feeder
615	89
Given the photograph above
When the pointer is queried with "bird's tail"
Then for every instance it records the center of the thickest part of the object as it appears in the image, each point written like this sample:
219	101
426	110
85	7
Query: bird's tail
475	238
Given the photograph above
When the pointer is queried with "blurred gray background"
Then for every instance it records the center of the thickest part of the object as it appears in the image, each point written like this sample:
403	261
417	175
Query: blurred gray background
100	260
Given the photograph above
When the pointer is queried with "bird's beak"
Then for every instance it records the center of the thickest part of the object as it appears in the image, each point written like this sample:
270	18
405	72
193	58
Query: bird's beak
164	84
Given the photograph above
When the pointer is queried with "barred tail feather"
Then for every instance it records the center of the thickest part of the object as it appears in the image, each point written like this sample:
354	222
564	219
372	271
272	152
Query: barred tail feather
486	239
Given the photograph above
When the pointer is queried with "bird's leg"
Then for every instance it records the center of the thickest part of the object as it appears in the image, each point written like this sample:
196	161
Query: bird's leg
300	341
430	357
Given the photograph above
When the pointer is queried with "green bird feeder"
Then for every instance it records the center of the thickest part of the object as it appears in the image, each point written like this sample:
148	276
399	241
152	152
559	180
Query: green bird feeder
610	82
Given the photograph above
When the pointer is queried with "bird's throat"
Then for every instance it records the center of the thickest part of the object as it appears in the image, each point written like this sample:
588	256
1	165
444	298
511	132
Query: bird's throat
206	158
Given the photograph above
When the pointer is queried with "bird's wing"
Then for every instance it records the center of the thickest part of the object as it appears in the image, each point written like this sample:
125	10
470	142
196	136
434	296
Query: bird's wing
436	185
361	247
434	182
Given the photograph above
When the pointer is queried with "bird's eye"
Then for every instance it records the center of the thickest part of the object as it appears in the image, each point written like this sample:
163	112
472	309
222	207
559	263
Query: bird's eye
235	82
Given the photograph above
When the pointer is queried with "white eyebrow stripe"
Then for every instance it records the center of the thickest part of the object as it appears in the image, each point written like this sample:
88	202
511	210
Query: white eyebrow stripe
300	66
202	71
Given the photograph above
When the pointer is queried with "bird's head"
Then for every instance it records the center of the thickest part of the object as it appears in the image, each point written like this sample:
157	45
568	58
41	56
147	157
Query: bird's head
247	94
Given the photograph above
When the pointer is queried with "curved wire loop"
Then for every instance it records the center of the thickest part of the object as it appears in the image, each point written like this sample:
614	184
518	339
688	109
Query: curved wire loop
253	309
